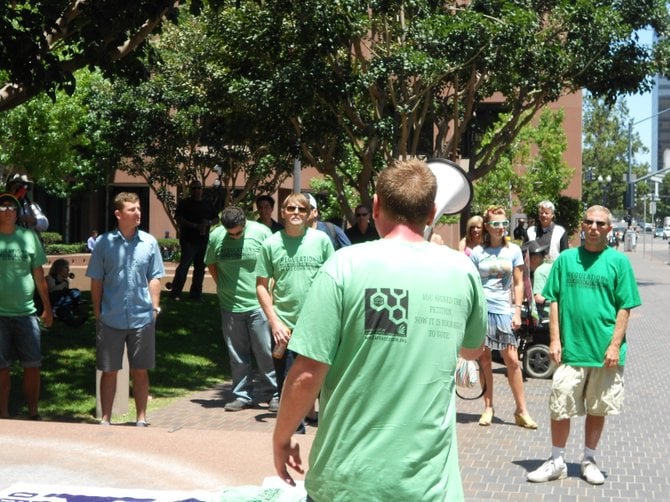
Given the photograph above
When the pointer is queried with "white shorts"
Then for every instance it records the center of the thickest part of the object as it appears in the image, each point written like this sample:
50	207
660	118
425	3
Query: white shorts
581	390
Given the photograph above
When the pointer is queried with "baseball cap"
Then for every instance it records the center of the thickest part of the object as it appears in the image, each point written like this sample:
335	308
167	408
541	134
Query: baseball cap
312	201
19	178
9	197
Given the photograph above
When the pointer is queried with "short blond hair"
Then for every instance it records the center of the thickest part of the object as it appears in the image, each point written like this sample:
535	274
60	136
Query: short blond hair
124	197
406	191
296	198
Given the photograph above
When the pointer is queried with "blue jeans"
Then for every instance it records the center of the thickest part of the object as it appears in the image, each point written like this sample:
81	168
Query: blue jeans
191	252
246	333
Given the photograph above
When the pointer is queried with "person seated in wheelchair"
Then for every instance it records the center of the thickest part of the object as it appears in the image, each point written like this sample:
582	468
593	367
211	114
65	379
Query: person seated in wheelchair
63	298
539	270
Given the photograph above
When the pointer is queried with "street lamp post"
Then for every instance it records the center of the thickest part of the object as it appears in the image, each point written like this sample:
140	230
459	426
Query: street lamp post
630	183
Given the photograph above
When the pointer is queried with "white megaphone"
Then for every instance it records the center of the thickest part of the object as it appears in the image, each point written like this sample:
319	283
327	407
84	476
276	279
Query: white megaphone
454	190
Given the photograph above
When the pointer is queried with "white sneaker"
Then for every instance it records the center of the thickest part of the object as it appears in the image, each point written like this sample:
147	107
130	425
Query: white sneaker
548	471
591	473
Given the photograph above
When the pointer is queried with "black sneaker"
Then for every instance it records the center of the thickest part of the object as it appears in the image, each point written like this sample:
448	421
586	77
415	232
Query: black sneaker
237	405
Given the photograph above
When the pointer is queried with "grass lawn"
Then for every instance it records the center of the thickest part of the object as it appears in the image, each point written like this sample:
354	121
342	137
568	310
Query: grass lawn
190	356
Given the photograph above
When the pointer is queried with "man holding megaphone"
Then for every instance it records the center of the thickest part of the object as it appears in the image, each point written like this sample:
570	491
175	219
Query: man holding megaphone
379	336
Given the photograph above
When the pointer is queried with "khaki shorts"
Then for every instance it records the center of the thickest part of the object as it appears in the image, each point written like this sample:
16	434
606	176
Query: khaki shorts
580	390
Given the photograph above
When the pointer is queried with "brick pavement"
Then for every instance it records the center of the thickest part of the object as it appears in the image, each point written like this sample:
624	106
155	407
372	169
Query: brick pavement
496	459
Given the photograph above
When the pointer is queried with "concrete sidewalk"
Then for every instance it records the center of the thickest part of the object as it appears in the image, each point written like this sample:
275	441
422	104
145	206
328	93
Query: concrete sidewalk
193	444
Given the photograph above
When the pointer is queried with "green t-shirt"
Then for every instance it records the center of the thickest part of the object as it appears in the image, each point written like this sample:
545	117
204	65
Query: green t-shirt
292	262
235	261
20	253
590	289
389	318
540	277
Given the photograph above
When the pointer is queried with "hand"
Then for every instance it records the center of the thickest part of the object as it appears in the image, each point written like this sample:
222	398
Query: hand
555	352
437	239
516	319
280	333
611	357
287	454
47	318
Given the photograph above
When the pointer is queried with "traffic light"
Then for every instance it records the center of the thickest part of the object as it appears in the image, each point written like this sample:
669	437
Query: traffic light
629	201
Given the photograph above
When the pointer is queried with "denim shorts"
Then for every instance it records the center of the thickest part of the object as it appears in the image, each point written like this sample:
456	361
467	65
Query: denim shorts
20	339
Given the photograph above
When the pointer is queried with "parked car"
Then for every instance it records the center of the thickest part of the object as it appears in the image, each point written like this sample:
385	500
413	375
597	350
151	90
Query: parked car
666	232
659	232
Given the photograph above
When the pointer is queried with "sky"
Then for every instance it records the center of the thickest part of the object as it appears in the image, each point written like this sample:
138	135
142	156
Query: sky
640	108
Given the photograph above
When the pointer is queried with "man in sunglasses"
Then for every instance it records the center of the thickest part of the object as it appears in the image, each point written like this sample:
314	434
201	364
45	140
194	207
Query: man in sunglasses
592	290
379	337
363	230
231	256
546	232
290	259
21	273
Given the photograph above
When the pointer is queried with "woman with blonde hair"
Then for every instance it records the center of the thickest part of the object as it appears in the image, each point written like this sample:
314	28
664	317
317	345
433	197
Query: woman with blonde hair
500	264
474	229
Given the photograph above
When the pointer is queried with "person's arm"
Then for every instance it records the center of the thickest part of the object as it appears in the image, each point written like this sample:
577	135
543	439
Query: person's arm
563	243
155	293
280	331
613	350
519	292
96	296
342	237
471	354
41	286
214	272
555	350
41	222
301	388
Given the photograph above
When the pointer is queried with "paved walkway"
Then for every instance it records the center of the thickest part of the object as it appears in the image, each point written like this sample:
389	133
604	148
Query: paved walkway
194	444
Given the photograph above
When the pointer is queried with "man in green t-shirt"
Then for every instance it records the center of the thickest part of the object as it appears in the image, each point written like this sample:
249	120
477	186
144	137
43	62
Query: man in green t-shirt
290	259
231	256
592	290
21	273
379	336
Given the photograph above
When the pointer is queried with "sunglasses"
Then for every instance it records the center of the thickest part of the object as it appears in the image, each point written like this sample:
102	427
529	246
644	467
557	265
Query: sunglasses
599	224
236	234
498	224
11	208
358	215
293	209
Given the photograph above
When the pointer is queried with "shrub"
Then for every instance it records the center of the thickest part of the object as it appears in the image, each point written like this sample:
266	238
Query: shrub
59	249
170	249
51	238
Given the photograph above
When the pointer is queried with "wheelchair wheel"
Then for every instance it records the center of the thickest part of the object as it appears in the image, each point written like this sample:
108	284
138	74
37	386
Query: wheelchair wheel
475	391
536	362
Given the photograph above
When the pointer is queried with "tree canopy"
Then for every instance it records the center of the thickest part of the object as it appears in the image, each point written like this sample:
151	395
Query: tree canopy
42	44
605	155
397	78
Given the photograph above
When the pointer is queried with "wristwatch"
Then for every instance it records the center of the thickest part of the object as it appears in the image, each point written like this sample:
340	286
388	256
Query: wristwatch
157	310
